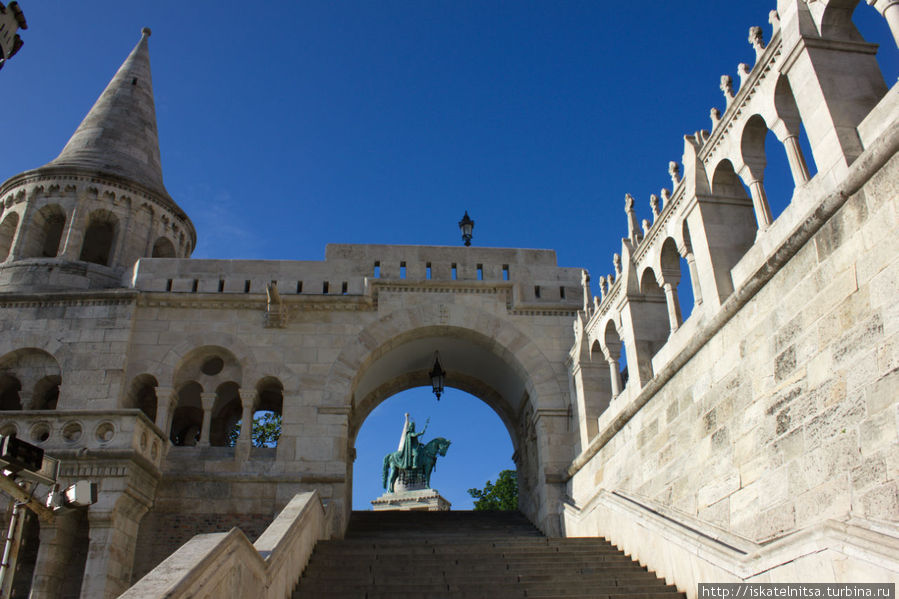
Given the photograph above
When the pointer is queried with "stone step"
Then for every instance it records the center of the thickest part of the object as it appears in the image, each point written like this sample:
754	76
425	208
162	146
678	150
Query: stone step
478	581
465	545
494	595
317	568
499	587
469	555
497	590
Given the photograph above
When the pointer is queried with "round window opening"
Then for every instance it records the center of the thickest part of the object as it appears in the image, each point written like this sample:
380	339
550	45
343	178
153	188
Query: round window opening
212	365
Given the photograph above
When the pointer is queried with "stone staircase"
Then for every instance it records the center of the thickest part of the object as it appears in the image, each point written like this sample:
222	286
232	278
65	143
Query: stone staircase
469	555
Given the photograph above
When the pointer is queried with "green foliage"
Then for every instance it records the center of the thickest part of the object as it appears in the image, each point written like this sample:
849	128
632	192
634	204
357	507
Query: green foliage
266	430
502	496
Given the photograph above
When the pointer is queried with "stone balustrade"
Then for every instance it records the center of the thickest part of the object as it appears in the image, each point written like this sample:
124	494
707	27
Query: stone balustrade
268	568
80	433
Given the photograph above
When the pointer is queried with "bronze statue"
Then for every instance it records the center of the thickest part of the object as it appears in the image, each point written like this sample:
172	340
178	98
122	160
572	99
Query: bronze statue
413	460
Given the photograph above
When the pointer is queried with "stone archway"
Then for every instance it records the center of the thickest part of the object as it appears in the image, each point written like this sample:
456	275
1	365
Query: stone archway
483	355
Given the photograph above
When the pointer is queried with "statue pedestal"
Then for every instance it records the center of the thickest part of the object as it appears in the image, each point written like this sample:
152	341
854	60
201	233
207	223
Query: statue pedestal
407	500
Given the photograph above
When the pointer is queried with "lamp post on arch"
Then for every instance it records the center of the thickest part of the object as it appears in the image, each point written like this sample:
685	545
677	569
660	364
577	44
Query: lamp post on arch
438	376
466	225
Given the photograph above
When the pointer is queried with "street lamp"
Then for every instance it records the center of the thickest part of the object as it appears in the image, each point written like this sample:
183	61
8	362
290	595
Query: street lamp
437	376
466	225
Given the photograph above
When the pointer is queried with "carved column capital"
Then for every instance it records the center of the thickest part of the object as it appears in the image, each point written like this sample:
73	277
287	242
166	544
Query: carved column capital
208	399
248	397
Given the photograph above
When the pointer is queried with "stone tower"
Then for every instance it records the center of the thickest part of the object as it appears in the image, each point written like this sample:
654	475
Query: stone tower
83	220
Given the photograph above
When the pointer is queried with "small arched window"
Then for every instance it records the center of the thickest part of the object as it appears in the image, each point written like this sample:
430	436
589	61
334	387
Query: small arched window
99	238
163	248
7	233
9	393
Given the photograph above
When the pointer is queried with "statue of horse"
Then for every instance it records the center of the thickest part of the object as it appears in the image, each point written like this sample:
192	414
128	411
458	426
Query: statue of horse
426	461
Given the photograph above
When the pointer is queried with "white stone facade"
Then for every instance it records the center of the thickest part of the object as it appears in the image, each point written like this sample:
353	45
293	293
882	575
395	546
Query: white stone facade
755	440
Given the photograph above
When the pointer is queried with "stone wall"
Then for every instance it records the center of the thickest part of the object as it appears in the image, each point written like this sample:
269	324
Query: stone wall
787	415
757	440
161	533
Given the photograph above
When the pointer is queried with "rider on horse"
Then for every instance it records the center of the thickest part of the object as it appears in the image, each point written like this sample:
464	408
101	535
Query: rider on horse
409	444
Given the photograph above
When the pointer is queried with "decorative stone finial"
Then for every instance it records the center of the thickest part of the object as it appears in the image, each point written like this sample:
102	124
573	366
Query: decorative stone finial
585	284
674	171
645	224
596	302
616	260
727	88
715	115
602	287
146	31
666	195
654	205
743	72
757	41
774	19
633	231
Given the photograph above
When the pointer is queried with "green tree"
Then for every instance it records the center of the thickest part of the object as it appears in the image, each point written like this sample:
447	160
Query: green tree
266	430
502	496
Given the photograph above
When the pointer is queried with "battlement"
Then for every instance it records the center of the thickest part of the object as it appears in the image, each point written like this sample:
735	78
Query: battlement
532	276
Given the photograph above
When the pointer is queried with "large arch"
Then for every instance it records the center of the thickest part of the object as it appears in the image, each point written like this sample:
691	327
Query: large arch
483	355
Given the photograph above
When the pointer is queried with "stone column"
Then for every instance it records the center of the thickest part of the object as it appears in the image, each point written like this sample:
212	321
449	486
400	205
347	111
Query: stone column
73	235
248	405
614	374
208	399
26	397
54	553
113	539
674	315
890	11
125	233
760	203
151	228
245	441
798	167
694	278
166	401
22	232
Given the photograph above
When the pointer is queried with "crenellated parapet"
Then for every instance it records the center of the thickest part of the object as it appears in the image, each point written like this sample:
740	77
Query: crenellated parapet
528	280
814	76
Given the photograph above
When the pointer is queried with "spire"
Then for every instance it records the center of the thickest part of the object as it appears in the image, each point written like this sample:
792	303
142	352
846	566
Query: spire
118	136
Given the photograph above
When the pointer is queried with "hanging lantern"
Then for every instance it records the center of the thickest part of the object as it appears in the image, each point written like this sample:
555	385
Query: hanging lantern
437	376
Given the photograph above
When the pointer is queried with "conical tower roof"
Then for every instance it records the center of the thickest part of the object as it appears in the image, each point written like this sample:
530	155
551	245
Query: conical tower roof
118	136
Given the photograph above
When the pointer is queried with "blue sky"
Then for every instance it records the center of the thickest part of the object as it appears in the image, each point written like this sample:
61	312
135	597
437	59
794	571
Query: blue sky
288	125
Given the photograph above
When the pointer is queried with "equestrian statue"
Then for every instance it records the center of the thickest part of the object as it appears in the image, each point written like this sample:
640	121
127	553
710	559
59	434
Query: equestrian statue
413	461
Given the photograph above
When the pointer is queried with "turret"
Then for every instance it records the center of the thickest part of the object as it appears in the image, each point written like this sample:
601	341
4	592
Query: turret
81	221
